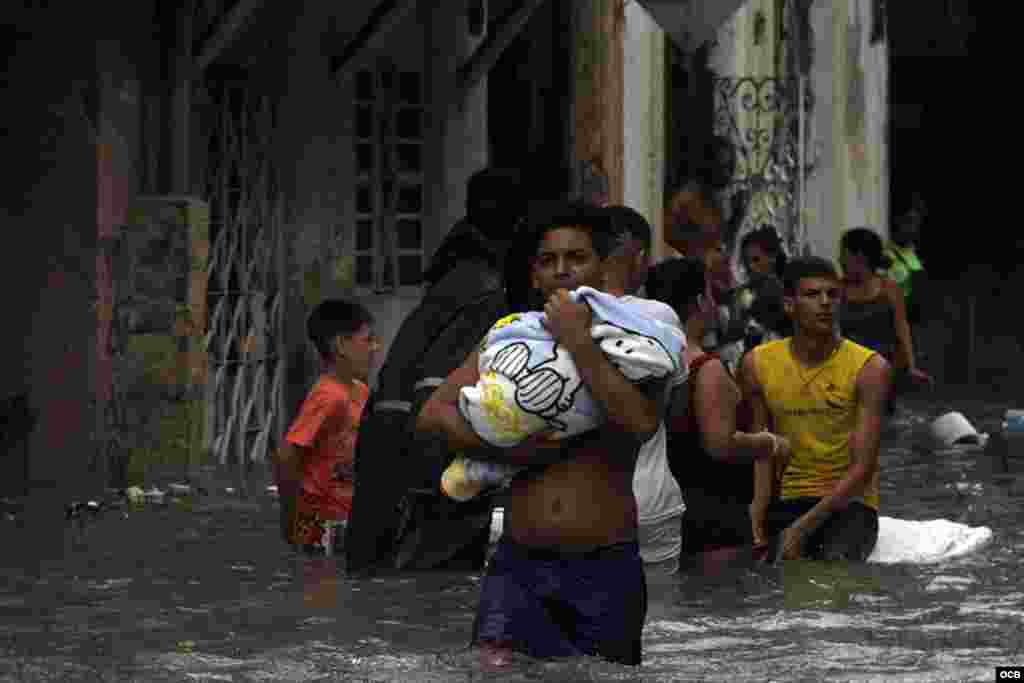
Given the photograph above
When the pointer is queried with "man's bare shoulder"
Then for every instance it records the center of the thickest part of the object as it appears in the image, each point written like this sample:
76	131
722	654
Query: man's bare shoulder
874	380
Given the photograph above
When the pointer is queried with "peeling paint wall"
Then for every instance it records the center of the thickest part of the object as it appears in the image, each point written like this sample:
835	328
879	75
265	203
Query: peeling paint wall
747	42
847	126
316	148
846	145
644	119
71	132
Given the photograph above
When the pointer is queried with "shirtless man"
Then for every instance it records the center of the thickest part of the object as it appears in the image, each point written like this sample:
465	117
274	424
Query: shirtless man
566	578
827	396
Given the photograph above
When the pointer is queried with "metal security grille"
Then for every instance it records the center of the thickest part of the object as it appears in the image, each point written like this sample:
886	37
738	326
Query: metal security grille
245	276
761	118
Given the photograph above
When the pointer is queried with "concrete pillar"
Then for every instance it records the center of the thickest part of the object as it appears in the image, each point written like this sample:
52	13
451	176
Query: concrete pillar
456	122
847	142
181	108
598	90
644	120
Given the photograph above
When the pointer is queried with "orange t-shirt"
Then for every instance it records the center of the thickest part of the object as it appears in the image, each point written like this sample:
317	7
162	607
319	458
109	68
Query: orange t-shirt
327	425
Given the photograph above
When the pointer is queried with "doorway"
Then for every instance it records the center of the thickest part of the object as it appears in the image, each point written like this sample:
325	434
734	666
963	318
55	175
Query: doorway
529	102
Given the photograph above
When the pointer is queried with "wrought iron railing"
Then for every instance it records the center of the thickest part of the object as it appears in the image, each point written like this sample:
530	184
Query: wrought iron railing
761	118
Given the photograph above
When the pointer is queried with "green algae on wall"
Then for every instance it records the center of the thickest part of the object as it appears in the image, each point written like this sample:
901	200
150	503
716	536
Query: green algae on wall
160	322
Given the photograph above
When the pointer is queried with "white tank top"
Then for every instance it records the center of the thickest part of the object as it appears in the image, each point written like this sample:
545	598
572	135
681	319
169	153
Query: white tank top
659	499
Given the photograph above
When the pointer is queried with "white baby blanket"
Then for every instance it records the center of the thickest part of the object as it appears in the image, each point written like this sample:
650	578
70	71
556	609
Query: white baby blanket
529	383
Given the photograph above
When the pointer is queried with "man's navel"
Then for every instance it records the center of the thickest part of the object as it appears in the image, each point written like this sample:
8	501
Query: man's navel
556	507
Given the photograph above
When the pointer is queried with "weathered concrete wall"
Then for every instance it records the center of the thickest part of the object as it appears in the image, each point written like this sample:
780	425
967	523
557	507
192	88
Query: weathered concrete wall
847	139
644	120
846	144
598	98
72	132
51	205
160	366
746	42
317	159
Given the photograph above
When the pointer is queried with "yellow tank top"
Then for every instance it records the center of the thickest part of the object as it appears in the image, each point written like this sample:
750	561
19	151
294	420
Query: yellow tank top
816	409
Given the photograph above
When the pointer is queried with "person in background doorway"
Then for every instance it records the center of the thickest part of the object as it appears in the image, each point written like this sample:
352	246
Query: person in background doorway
907	268
756	312
762	254
314	466
699	224
873	312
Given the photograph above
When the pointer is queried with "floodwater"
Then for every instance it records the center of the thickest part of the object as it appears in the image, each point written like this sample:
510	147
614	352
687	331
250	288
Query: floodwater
206	591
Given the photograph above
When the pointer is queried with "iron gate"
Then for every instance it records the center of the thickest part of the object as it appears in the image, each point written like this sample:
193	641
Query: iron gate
244	341
762	120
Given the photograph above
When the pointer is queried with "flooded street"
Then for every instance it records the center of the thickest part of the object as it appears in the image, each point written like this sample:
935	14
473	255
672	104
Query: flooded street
206	591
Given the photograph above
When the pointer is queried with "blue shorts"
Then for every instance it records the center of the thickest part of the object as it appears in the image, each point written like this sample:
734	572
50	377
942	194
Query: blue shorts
547	603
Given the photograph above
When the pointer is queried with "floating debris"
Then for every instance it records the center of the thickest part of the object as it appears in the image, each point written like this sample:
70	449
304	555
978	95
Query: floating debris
155	495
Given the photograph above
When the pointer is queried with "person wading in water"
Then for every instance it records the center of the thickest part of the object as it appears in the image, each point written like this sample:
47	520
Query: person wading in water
827	396
566	578
873	312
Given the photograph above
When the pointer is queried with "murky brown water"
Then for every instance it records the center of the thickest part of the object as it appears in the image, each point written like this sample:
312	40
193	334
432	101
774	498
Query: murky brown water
209	593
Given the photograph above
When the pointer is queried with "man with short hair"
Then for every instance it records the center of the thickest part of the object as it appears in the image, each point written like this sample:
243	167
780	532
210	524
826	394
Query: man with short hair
566	578
659	498
827	396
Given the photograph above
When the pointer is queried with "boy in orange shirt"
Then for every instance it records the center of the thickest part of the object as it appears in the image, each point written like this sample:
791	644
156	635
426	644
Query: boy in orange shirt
314	467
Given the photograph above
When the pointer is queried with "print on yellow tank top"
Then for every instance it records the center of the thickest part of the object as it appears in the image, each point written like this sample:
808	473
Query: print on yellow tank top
816	409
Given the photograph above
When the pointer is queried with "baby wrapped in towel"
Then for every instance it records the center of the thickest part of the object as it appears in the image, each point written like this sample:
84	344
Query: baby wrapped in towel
528	383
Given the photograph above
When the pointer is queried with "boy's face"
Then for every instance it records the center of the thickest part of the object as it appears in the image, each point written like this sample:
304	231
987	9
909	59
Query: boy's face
566	260
359	351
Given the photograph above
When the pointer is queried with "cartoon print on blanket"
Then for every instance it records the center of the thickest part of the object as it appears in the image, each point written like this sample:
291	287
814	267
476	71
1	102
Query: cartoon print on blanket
528	382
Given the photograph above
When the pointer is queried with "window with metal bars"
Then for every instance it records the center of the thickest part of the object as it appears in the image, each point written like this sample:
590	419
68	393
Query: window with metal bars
389	180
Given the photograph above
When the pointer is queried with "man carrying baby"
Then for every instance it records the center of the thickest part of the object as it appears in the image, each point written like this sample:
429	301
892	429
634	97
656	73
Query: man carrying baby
567	578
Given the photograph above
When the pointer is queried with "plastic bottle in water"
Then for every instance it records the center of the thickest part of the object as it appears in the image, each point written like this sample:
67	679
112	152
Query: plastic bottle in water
464	479
1013	424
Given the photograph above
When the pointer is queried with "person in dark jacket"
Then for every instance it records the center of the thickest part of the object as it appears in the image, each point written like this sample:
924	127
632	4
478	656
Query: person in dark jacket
398	518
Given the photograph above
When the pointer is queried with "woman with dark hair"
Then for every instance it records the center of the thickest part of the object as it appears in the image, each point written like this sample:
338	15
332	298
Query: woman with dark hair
710	454
699	225
873	312
762	254
756	313
906	268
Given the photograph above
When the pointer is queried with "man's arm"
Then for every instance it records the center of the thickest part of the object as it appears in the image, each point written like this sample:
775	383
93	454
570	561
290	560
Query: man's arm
440	416
906	360
873	386
903	338
766	478
626	406
716	416
288	461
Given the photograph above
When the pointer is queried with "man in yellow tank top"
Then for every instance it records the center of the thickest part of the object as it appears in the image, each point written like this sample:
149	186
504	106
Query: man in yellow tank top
827	395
